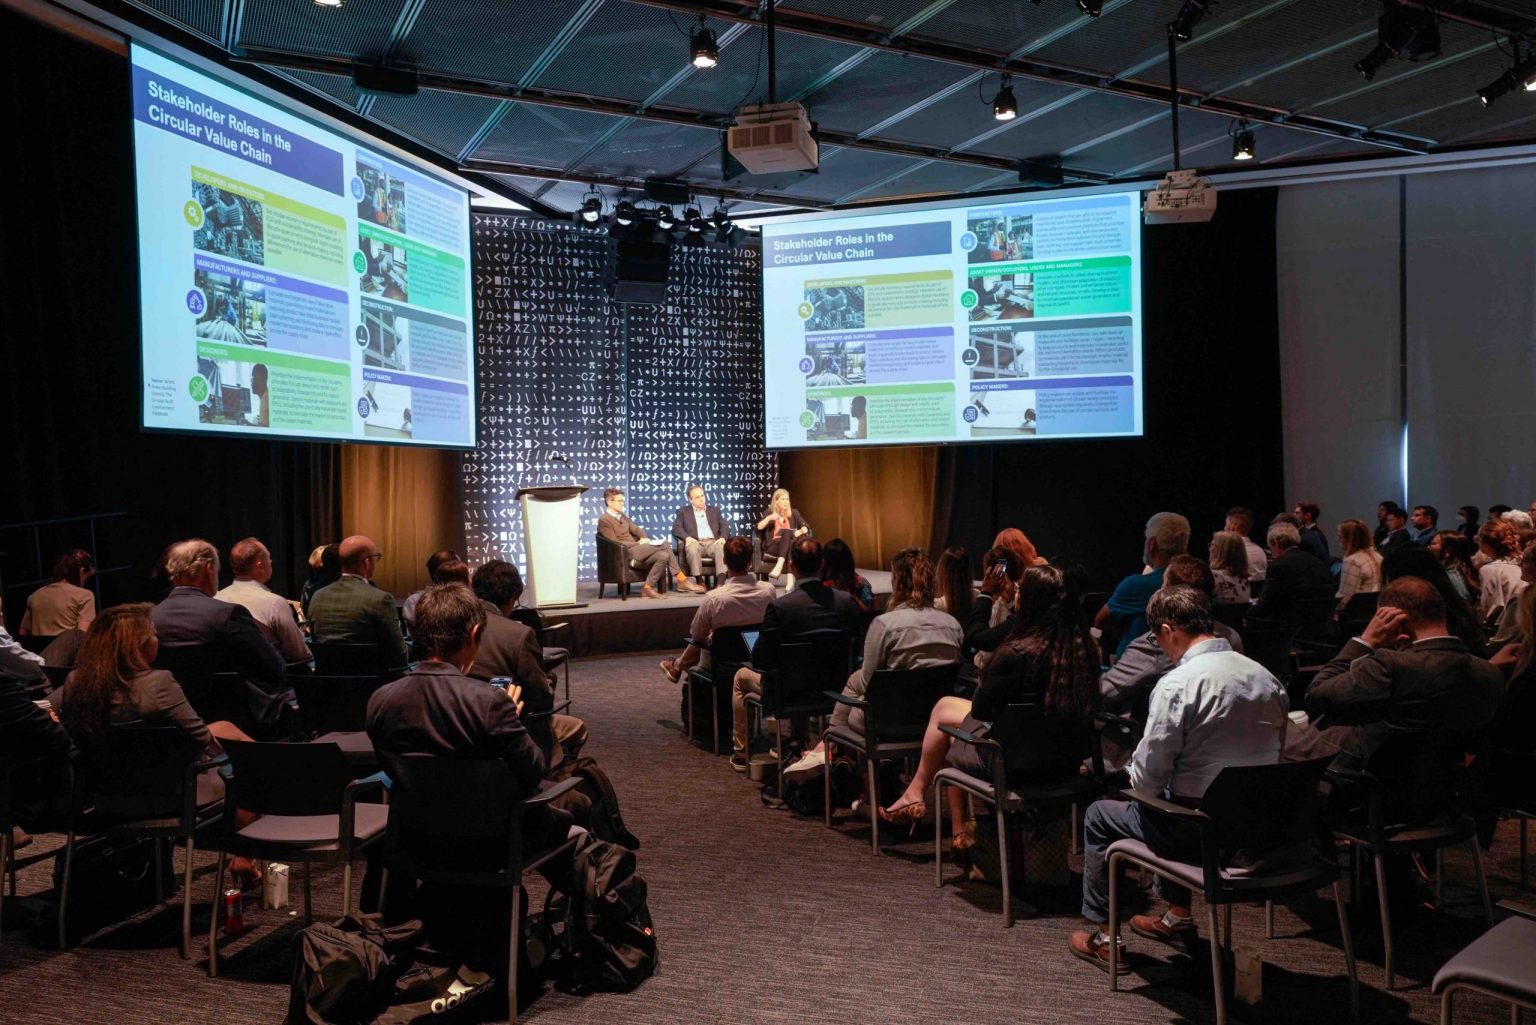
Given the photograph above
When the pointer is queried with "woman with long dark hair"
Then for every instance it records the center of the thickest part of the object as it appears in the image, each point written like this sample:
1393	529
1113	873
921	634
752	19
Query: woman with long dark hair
1049	655
837	572
1454	550
953	591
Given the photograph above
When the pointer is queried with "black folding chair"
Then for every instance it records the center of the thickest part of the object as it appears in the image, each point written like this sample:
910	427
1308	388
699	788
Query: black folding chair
347	659
896	704
446	811
1231	614
554	658
727	653
140	782
1356	614
1261	837
218	694
8	823
798	684
334	710
306	798
1035	767
1270	647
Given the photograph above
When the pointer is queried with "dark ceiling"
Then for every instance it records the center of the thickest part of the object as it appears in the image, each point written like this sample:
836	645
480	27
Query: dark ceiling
554	95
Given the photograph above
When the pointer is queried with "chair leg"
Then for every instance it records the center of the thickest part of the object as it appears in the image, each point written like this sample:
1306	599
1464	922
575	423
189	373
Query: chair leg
1445	1005
346	887
1482	880
1218	990
1524	851
159	871
514	944
872	785
1349	953
1002	860
1386	917
1226	927
567	677
186	901
1440	878
69	861
213	919
308	917
688	707
714	718
826	784
938	833
6	864
1114	923
1072	836
1269	919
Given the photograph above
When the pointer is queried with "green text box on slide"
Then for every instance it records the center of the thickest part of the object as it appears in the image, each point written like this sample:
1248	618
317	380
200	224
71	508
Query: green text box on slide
306	394
1076	288
913	299
434	279
299	239
900	411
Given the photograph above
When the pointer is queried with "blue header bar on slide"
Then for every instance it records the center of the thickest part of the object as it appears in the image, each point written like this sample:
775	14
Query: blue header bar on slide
851	245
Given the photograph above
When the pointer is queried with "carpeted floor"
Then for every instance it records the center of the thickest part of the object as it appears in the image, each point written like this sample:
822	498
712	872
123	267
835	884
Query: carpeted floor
765	917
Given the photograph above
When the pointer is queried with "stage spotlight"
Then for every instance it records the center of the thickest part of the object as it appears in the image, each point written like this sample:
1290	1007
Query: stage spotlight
1183	26
1242	141
1092	8
693	217
721	219
1004	106
1372	62
666	220
702	46
591	208
1498	87
1410	34
624	213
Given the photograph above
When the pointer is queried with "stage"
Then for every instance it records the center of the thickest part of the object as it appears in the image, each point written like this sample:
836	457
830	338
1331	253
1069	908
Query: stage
609	625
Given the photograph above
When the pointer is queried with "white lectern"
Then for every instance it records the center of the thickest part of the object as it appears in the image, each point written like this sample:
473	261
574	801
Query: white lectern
551	523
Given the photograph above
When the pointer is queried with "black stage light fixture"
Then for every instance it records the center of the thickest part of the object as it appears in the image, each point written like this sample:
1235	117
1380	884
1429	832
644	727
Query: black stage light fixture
1004	106
666	220
693	217
1092	8
703	50
591	209
1183	25
624	214
1242	141
721	219
383	80
1372	62
1411	34
1521	76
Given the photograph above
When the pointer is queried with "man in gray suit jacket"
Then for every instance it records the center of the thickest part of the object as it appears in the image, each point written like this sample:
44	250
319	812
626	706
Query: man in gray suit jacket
353	610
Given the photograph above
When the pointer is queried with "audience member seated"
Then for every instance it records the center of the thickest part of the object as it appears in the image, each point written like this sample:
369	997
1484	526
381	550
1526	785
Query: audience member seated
1167	535
1507	629
1414	561
1125	685
837	571
1397	531
353	610
1023	549
909	634
953	591
324	570
11	646
1467	522
1515	656
1240	522
741	600
1379	534
29	733
1313	541
1360	570
64	604
1405	672
1455	550
114	687
1519	518
1215	709
510	648
1229	569
193	626
1422	524
1499	579
645	552
701	529
1050	659
436	559
779	527
811	610
1294	578
992	617
252	565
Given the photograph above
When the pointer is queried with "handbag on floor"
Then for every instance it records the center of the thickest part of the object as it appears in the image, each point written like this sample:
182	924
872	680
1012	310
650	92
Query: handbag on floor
111	879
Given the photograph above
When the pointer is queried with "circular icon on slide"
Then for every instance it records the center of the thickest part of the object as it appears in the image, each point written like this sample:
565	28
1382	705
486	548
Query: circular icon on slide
807	364
199	389
362	408
968	414
968	241
196	302
805	310
193	213
807	418
362	335
359	262
970	357
357	188
968	298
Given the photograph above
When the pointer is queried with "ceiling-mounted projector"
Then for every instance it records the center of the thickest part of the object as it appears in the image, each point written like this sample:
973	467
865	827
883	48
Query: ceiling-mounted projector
1181	198
773	137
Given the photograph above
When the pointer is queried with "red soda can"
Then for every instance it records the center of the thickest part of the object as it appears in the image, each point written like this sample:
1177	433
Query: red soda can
234	912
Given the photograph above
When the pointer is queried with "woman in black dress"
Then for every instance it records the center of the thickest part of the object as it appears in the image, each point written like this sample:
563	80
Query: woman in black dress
780	525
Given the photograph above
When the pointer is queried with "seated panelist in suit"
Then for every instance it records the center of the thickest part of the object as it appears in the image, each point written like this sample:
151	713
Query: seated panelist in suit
645	552
353	610
702	531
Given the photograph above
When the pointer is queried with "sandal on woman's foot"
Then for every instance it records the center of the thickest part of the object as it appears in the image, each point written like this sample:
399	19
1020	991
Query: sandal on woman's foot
905	814
964	840
248	875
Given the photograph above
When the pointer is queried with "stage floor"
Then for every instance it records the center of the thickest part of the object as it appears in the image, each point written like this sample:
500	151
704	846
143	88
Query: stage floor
610	624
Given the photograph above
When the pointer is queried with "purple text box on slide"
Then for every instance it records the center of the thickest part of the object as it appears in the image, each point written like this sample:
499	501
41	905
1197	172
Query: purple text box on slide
301	316
869	336
1053	383
168	105
412	381
436	416
811	248
910	355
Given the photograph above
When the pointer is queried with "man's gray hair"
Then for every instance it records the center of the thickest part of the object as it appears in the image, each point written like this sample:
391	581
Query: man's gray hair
1283	535
1170	531
1519	517
183	561
1180	607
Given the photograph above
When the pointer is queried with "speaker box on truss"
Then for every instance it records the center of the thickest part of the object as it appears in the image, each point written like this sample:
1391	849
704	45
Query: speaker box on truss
636	270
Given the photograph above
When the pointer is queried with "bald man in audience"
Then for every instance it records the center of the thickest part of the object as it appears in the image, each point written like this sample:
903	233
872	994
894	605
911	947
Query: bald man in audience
251	563
353	610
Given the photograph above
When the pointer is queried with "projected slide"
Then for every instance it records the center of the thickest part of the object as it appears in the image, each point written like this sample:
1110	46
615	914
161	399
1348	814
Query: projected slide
1012	320
294	282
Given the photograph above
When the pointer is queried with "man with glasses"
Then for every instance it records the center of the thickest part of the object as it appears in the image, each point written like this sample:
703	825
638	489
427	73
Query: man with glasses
353	610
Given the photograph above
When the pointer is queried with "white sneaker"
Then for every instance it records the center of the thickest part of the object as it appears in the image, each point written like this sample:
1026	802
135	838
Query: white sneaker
809	765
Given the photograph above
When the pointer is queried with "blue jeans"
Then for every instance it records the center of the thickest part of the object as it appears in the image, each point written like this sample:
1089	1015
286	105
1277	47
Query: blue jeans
1108	821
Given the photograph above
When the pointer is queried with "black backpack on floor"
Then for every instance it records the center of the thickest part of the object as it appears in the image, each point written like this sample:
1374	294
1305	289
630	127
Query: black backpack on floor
604	924
344	973
605	822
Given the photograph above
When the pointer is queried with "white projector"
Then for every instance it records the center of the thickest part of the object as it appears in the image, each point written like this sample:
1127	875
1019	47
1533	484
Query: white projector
773	137
1181	198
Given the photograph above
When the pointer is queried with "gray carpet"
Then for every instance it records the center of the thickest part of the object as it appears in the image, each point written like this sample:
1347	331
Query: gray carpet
764	917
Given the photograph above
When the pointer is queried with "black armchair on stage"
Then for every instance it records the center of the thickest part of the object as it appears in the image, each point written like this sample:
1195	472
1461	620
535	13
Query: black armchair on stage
613	567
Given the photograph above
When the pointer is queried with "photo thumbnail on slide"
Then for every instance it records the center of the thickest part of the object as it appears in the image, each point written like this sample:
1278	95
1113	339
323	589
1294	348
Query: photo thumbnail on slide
384	269
384	337
838	308
232	225
834	361
236	393
1003	296
389	410
383	199
235	310
842	417
1001	352
1001	237
1004	414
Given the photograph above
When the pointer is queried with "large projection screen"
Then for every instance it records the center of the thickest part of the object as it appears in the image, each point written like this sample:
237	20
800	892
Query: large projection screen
1005	319
296	282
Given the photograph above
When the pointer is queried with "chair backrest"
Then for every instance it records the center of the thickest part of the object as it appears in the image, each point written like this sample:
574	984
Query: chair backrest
35	643
454	819
348	659
901	701
1311	616
1260	807
220	697
137	770
529	618
728	648
1230	614
288	779
1271	648
1036	744
1420	773
805	670
333	704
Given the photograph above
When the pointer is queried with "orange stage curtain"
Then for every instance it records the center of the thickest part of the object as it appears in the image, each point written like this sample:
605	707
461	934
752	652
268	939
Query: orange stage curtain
409	501
879	500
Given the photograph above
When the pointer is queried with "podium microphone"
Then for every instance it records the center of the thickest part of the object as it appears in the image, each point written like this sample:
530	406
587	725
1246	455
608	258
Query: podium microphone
566	460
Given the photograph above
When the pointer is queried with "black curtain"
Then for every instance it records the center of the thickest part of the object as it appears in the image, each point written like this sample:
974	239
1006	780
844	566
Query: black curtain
1211	388
69	328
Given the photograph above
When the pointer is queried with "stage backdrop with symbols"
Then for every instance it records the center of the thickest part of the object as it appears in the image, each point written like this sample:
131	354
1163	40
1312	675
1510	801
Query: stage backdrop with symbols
645	398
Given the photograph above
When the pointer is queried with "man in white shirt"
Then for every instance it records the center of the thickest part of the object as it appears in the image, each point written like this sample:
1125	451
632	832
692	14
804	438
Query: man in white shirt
252	566
12	646
1240	522
1215	708
701	530
740	601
